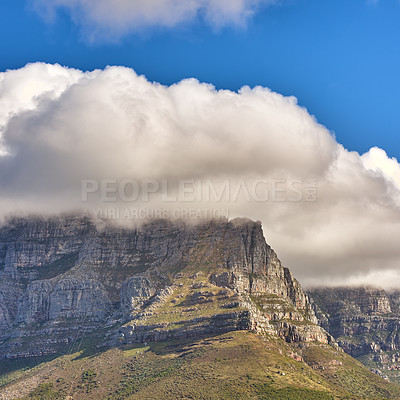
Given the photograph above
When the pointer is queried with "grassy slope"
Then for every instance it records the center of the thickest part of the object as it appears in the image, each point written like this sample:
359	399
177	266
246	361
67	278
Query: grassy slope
236	365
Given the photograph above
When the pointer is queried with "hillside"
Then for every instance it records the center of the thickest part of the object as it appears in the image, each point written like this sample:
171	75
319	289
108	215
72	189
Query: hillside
165	311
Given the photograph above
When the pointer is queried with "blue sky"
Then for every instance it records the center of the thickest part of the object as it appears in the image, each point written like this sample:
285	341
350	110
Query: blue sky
340	58
60	126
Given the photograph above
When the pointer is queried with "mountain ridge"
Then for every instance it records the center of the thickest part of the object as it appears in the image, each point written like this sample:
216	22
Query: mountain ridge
73	290
64	269
365	321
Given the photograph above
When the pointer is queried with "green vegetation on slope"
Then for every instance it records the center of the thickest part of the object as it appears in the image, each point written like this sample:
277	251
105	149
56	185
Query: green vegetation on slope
236	365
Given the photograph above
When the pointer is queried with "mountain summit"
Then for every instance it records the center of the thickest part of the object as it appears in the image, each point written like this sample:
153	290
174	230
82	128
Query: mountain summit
68	285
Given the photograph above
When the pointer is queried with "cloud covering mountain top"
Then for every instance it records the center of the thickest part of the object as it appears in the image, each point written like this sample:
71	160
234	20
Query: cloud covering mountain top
60	126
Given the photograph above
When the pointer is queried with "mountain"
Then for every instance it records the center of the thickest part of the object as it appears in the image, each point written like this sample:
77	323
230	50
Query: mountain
166	310
366	323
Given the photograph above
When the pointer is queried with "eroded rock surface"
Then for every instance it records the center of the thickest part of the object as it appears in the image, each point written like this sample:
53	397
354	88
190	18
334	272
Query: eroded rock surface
366	323
67	277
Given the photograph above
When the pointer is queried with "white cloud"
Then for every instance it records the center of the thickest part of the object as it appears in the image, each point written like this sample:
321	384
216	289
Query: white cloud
114	18
114	124
376	160
24	89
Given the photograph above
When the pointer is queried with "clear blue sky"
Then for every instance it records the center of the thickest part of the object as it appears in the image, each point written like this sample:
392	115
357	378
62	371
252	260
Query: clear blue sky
340	58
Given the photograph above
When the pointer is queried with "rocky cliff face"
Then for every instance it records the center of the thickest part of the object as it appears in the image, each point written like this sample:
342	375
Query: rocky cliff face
61	278
366	323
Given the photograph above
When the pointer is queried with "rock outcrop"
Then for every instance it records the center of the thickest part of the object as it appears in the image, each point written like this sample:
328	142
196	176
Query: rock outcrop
366	323
62	278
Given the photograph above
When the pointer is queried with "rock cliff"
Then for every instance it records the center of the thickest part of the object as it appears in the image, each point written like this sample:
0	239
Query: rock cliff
366	323
61	278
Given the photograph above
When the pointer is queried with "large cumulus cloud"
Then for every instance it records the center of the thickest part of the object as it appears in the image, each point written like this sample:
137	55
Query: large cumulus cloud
114	18
59	126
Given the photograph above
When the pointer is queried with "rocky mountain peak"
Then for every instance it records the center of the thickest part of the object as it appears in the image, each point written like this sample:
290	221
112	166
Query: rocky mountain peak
69	276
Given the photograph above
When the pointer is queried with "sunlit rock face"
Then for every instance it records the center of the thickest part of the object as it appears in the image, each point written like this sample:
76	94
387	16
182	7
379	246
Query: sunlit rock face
67	277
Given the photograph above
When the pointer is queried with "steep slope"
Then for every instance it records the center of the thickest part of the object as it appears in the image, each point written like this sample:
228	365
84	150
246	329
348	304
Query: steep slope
61	278
131	313
366	323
